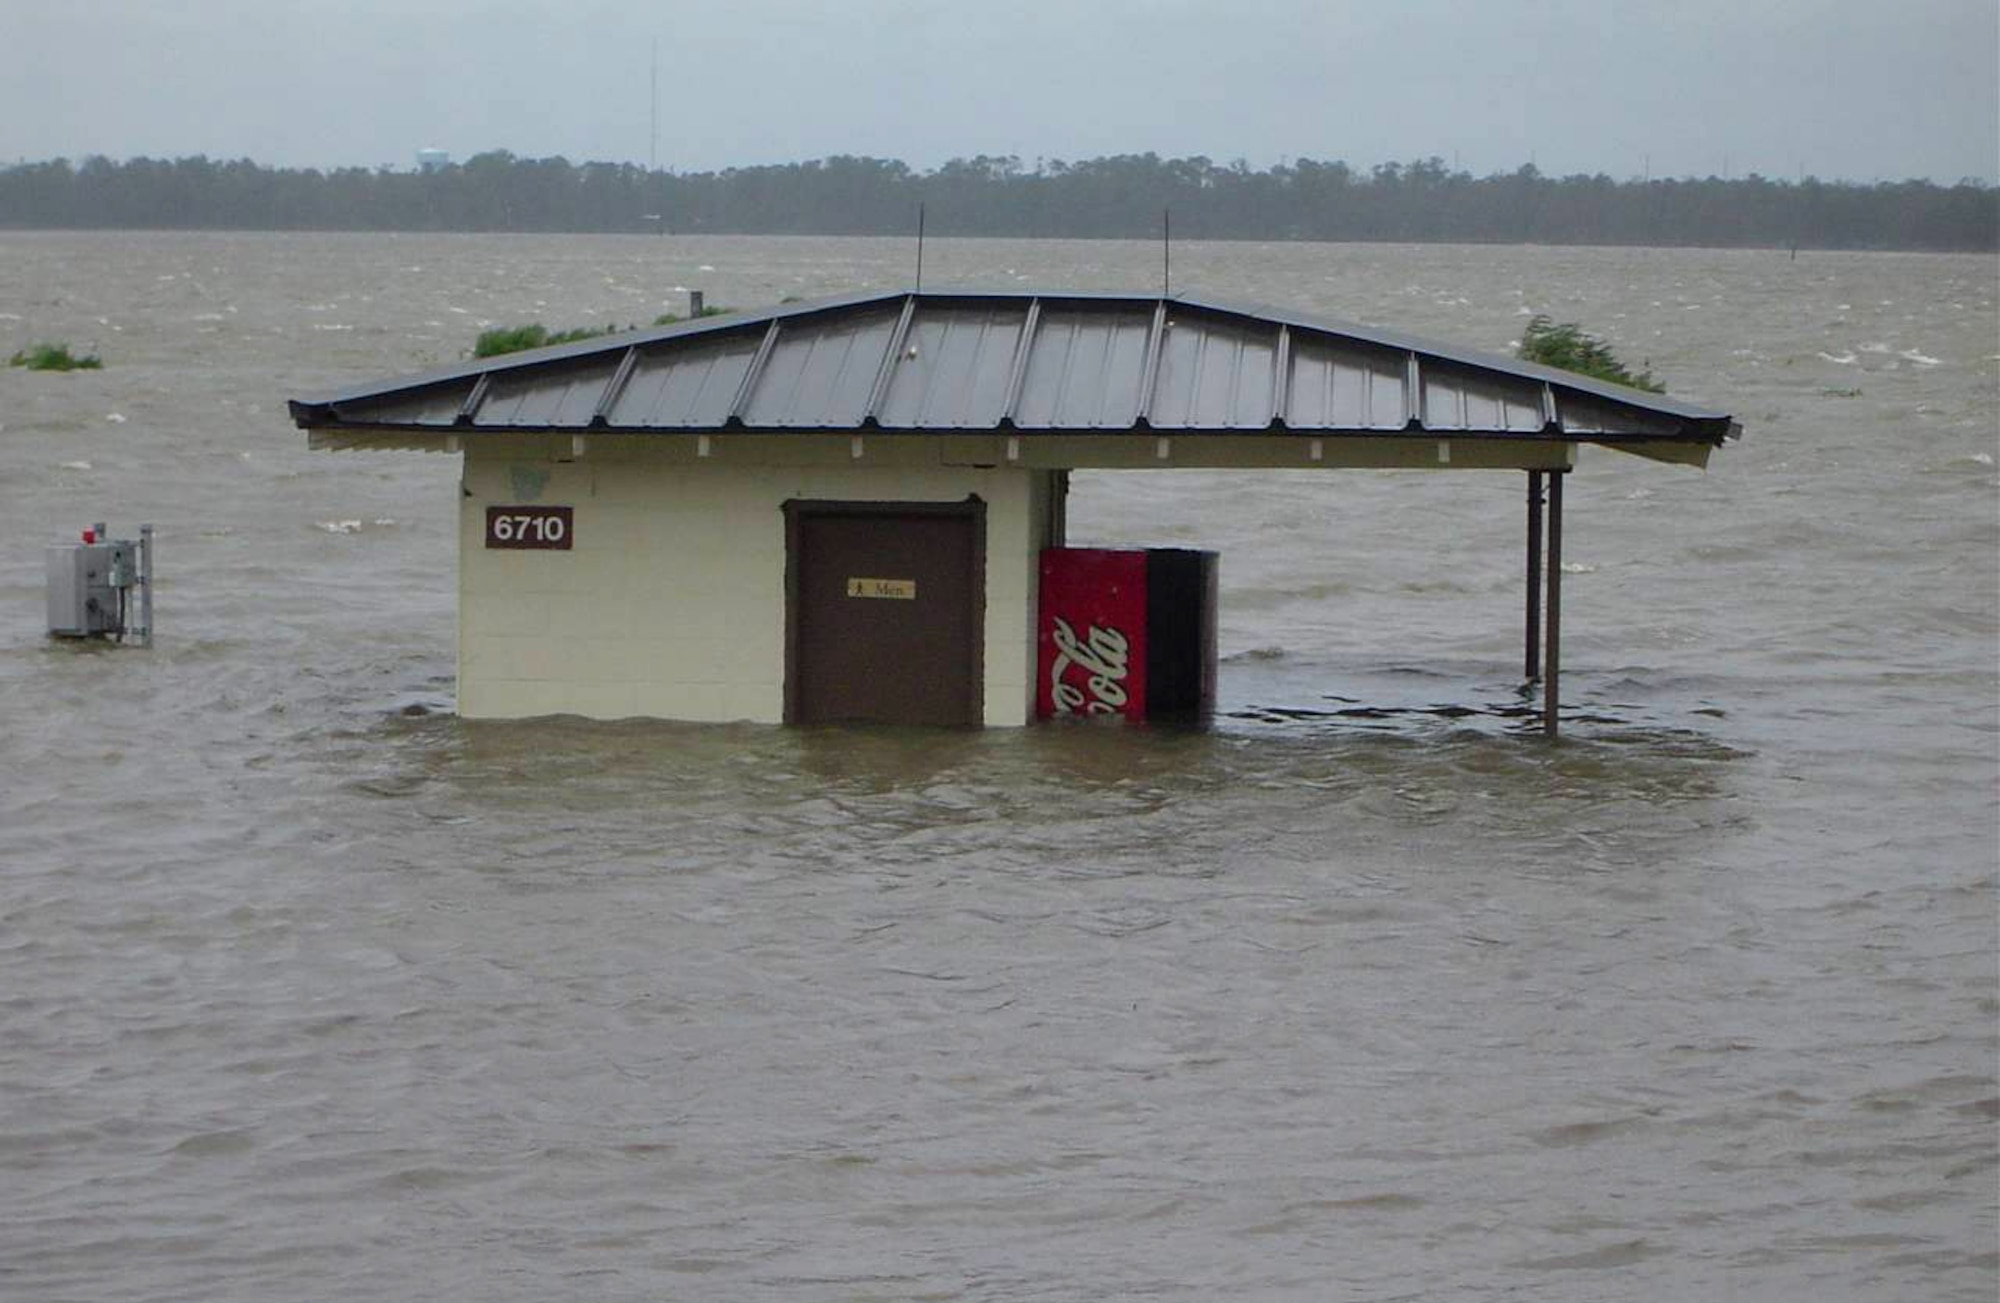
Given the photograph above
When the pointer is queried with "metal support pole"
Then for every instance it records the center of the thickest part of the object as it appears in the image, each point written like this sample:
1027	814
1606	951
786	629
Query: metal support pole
1533	664
1553	660
146	585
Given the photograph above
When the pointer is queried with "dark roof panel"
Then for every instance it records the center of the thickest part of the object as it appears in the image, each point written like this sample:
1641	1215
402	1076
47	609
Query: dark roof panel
432	405
821	377
954	368
1456	397
1337	386
1084	369
1585	415
1214	375
557	398
688	388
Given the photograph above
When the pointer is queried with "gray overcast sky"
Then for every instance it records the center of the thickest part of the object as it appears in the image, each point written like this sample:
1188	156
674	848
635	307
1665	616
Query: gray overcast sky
1853	89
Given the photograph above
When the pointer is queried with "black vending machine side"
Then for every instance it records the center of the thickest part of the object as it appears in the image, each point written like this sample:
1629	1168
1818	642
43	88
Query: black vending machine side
1181	587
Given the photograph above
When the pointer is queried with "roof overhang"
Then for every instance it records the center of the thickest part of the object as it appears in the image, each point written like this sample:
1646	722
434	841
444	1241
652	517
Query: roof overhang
1096	375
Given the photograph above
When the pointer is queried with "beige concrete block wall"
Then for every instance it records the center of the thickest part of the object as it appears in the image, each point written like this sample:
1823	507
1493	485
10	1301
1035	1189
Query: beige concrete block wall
671	601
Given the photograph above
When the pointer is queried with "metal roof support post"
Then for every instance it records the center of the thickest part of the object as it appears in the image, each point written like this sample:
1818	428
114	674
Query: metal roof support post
1553	659
1533	664
146	584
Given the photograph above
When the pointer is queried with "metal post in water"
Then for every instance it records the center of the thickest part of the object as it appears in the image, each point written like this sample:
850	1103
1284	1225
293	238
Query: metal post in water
146	584
1533	668
1553	660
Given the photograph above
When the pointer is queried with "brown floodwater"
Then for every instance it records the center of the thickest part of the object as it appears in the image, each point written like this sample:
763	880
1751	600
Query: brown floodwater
309	989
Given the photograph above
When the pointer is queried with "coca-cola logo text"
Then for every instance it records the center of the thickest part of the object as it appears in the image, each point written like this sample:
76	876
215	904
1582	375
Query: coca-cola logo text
1103	655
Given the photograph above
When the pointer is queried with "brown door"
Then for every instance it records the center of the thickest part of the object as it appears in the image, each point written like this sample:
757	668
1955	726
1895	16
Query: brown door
886	611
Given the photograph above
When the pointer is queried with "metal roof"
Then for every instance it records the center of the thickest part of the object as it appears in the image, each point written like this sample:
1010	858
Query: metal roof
959	361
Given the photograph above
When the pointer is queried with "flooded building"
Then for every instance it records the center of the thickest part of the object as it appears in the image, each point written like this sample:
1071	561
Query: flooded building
841	511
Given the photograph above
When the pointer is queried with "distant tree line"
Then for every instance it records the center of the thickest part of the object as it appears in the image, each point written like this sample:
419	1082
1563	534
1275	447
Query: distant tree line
1121	196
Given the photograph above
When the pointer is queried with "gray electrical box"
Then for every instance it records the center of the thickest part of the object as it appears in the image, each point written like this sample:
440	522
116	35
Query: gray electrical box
101	589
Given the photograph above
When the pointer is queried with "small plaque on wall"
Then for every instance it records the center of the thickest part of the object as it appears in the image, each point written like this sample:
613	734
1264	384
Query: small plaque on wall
897	590
539	528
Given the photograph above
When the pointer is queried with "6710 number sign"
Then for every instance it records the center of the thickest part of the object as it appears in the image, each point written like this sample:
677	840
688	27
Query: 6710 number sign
549	528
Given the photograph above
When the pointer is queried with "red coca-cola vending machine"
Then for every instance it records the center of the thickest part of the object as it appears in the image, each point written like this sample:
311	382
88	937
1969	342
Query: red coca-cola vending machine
1126	631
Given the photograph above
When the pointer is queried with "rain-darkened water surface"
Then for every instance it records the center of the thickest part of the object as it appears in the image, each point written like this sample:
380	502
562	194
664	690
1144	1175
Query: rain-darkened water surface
310	990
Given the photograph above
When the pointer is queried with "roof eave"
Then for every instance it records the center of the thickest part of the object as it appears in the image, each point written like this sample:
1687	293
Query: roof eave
323	417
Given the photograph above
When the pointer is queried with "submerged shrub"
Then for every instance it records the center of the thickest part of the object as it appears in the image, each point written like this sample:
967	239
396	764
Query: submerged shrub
1567	347
54	357
512	339
582	332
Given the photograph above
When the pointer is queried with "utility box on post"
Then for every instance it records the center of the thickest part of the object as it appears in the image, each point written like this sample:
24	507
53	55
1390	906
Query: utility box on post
102	587
1126	632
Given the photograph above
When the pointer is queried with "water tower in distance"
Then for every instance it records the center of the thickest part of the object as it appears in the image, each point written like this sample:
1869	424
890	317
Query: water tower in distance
433	160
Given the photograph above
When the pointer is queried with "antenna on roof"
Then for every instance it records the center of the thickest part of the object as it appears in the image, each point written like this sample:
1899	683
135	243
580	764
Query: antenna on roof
920	248
1166	253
